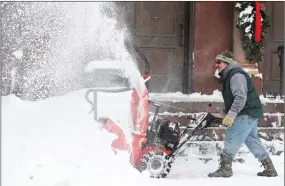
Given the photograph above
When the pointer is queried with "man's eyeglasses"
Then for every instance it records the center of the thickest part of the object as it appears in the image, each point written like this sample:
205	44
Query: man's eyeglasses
218	62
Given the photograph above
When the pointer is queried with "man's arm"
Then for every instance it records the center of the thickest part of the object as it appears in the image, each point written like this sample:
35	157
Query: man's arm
239	89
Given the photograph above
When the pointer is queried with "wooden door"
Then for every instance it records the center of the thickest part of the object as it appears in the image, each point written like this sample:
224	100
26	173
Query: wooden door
274	39
158	31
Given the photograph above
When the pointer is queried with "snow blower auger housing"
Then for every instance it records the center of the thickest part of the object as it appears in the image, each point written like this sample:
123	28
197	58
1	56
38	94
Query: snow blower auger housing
156	142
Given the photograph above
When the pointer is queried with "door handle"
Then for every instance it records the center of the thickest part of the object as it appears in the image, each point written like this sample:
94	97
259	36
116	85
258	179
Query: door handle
182	35
280	52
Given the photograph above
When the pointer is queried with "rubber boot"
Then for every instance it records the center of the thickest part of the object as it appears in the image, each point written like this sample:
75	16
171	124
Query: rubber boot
269	170
225	169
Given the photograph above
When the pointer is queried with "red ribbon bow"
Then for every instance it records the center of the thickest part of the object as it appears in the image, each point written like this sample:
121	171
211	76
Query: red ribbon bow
257	22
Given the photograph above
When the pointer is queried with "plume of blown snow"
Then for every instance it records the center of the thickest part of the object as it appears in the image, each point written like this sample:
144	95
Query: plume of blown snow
58	39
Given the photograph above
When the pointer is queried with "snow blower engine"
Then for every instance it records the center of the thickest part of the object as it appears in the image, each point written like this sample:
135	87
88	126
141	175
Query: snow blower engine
166	141
156	141
162	133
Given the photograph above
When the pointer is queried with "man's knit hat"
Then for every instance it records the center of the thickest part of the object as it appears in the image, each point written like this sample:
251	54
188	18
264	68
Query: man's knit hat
225	56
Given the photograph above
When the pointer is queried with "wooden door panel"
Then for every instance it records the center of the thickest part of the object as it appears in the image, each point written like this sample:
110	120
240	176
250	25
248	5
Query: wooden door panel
278	21
157	28
162	84
151	18
152	41
274	39
162	57
274	67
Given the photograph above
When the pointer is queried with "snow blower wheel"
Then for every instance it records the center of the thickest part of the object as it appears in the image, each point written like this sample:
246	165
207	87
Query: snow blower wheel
156	164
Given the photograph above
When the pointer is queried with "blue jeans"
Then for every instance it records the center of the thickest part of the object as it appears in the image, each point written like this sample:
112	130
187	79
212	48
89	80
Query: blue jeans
244	130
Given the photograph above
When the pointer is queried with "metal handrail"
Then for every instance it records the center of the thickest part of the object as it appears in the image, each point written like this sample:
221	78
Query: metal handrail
95	99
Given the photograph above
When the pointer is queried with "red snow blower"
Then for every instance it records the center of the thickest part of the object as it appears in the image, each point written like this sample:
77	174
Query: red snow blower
156	142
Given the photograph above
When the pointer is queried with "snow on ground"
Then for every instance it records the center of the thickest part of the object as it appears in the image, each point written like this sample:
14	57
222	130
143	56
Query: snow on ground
55	142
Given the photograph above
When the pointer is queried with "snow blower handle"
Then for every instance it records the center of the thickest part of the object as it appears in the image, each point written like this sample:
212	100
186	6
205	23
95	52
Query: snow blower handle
209	118
209	110
190	118
202	121
157	106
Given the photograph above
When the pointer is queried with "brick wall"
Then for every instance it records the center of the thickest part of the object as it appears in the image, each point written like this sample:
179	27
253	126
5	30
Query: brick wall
213	34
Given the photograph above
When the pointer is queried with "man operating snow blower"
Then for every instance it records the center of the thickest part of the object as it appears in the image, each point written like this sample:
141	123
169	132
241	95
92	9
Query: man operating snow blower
242	110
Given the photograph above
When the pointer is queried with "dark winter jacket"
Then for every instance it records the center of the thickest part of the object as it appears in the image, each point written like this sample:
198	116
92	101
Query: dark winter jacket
239	94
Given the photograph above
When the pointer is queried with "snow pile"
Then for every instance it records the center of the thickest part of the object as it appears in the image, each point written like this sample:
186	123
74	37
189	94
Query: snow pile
251	70
265	100
198	97
56	142
195	97
258	75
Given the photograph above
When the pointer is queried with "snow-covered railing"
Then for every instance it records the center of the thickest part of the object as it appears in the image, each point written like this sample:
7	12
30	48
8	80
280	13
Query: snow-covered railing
105	90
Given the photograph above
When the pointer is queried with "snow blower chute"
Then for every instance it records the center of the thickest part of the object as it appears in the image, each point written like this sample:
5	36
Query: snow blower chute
156	142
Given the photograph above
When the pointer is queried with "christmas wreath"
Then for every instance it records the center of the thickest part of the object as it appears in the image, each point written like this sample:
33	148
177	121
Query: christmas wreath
253	23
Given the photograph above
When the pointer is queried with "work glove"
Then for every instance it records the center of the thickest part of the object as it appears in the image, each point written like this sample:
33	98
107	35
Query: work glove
221	115
229	119
218	119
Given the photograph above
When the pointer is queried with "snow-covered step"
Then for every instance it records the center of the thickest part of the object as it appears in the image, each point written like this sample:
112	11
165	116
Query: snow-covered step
269	119
218	134
201	106
178	108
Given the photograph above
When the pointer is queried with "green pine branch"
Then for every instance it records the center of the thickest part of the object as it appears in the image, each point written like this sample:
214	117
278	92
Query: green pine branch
253	50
